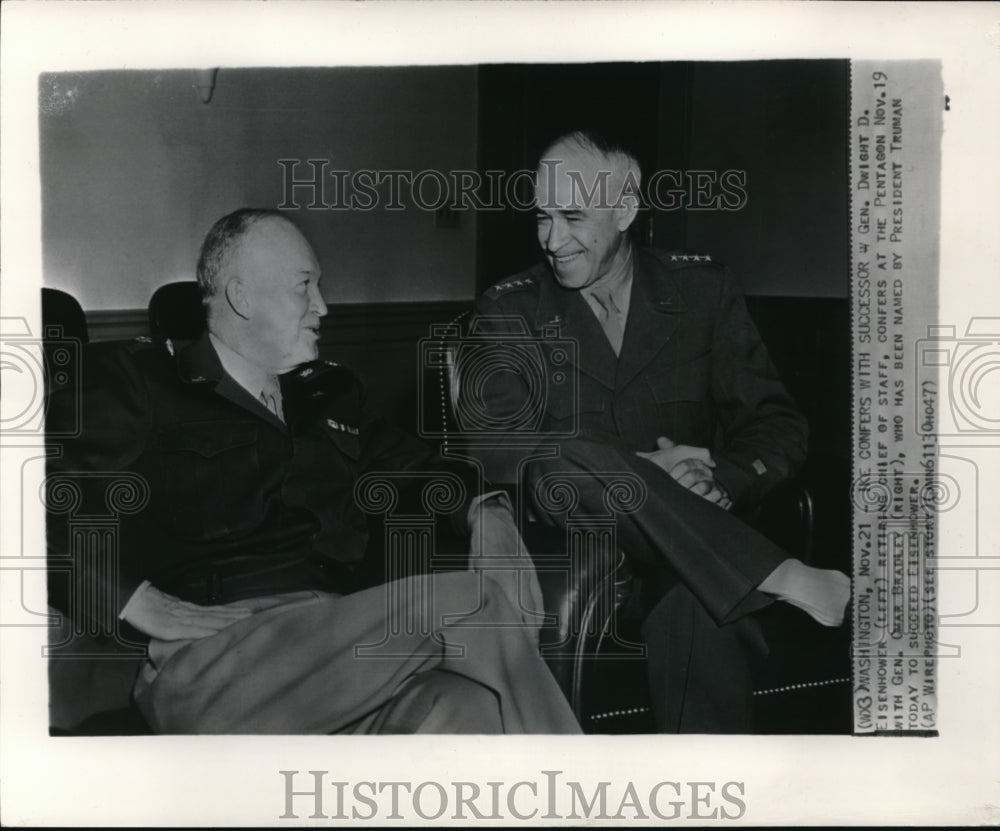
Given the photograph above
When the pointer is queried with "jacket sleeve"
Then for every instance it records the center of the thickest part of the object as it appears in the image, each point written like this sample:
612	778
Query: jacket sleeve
387	448
90	484
763	436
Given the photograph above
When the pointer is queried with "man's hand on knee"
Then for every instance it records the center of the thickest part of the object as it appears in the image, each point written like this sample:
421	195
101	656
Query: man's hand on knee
691	467
169	618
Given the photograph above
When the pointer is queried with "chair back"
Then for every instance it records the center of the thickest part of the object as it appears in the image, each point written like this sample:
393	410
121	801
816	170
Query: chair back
64	334
176	312
61	309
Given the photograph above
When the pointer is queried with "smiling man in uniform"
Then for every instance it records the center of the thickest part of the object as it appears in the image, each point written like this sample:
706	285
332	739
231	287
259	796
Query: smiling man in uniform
675	387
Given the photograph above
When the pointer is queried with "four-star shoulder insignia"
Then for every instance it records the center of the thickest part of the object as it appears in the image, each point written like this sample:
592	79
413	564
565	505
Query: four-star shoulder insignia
690	258
508	286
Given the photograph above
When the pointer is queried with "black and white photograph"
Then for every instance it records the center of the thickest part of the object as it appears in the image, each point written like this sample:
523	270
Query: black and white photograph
556	436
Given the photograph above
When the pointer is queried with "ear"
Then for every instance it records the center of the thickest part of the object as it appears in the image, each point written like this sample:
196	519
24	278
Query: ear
237	298
626	211
627	207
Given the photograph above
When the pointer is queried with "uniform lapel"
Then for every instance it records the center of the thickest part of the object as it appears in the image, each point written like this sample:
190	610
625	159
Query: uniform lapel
198	363
569	311
654	310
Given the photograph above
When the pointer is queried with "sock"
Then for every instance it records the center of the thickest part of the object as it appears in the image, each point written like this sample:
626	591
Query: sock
821	593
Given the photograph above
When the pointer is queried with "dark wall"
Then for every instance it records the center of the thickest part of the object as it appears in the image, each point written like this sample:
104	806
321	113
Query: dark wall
782	123
522	107
785	124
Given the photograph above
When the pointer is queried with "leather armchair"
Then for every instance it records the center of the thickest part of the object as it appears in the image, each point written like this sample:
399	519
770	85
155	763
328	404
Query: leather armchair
591	641
176	313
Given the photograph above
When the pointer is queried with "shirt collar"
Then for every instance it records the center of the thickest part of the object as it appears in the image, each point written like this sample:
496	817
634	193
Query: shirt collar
615	295
248	375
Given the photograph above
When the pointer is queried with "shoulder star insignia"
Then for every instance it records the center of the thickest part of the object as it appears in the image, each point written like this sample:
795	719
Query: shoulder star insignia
510	285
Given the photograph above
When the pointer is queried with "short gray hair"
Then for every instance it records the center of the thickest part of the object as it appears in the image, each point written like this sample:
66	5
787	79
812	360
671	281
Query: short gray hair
220	242
617	154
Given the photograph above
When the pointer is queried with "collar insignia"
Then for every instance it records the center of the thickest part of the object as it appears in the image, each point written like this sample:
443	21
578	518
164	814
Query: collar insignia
345	428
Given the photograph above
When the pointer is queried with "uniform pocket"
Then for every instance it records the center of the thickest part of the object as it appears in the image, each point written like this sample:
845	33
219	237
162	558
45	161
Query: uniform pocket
211	478
576	411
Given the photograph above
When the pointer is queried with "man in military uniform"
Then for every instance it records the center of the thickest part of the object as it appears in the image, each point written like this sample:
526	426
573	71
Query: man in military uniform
673	385
250	569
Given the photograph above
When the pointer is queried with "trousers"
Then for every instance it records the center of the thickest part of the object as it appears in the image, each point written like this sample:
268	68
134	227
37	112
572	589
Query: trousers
441	653
703	643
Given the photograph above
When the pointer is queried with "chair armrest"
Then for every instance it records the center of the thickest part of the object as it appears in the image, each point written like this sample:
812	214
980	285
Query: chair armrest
786	516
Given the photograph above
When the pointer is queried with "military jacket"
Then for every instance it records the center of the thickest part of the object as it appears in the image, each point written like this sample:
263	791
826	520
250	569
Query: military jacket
692	368
231	501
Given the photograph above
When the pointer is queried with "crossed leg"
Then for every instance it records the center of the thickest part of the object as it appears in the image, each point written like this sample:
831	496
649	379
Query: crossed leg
311	662
705	647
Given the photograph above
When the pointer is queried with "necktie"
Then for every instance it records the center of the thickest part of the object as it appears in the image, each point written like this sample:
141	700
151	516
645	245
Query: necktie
271	398
610	319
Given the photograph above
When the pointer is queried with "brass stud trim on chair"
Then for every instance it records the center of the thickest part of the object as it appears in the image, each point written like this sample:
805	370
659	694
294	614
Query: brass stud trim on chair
803	686
631	711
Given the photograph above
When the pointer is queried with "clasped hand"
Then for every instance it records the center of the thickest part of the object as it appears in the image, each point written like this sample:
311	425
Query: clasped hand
690	467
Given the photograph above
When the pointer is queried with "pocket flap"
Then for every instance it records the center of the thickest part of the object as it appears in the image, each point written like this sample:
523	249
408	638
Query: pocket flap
207	439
